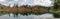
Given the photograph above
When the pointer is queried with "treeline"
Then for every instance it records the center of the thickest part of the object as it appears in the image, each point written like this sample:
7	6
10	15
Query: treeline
23	9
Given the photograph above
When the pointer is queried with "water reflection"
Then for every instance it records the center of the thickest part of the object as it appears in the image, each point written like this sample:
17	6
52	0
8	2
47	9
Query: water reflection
26	16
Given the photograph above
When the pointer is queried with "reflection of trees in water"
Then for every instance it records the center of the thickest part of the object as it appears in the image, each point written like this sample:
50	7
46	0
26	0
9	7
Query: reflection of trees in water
1	13
56	15
15	14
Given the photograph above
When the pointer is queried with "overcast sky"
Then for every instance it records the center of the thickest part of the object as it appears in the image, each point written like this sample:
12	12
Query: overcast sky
29	2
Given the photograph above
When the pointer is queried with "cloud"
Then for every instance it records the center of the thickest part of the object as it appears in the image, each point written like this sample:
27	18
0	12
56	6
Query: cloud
46	3
2	0
30	2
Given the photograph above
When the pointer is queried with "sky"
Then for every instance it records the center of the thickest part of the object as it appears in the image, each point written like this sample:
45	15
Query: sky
46	3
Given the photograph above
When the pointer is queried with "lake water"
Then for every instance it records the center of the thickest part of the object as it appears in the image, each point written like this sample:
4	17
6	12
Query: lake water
32	16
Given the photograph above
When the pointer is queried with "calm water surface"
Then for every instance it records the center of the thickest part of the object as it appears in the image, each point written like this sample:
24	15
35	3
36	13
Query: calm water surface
12	16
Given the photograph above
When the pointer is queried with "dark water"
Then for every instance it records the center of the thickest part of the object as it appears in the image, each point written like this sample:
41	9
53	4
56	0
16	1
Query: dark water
32	16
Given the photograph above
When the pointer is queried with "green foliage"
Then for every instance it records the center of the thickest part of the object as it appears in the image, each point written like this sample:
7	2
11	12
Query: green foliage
56	15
